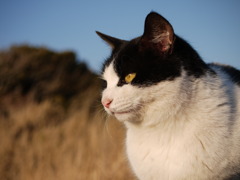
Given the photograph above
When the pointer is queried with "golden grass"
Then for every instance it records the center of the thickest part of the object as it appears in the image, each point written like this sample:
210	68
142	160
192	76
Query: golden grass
51	126
40	141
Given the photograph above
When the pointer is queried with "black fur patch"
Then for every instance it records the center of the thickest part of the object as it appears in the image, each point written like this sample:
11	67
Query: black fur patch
158	55
114	53
152	68
233	73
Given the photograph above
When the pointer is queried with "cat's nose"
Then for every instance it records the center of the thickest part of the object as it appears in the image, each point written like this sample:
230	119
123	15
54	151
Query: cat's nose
106	102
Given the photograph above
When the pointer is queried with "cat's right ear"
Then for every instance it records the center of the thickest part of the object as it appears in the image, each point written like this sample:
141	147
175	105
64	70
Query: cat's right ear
113	42
158	34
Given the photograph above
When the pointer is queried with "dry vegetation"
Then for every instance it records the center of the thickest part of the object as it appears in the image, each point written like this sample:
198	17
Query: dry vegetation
51	122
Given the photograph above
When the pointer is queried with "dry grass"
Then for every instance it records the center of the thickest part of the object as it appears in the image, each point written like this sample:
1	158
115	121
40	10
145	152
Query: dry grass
51	124
79	146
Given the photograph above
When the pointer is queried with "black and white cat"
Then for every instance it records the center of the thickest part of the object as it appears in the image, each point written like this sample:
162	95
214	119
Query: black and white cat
182	115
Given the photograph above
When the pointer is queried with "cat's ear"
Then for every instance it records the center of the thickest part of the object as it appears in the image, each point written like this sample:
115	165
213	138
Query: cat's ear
113	42
158	34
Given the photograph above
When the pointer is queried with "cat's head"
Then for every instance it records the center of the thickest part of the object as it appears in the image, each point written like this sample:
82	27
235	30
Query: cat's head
140	72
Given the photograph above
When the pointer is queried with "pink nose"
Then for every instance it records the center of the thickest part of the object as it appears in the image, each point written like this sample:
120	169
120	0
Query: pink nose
106	102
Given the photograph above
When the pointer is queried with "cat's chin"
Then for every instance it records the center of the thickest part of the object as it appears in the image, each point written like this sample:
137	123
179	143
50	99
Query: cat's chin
123	116
127	117
131	115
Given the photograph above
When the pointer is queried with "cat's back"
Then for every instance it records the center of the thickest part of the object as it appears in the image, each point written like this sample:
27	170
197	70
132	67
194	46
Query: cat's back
232	74
230	77
230	83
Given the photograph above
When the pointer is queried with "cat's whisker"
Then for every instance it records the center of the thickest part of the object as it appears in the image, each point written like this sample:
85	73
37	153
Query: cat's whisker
106	126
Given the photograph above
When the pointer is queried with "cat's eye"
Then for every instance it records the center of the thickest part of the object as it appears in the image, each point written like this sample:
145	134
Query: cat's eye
130	77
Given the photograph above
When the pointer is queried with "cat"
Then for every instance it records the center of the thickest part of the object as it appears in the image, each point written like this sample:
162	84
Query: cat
182	115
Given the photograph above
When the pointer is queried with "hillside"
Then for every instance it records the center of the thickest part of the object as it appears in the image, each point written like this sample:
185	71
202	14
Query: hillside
52	125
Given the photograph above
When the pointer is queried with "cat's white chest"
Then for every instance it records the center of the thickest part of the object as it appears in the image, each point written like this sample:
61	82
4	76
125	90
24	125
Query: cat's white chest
155	155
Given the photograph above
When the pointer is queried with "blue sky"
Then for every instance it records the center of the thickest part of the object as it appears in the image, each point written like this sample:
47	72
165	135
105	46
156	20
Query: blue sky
212	27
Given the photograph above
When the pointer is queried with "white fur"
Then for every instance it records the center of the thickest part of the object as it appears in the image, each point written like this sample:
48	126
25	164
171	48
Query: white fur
184	129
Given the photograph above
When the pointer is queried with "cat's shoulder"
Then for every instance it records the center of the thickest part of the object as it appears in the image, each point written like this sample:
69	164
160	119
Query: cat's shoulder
231	72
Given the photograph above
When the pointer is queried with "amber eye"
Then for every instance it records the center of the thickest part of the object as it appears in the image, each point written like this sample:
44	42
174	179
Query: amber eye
130	77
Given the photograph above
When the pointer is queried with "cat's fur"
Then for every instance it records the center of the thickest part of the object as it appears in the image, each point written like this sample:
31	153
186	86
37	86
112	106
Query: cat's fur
182	115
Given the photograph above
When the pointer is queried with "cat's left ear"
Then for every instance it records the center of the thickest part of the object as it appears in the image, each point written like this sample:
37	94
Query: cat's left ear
158	34
113	42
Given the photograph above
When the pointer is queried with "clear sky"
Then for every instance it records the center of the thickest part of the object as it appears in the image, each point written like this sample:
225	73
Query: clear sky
211	26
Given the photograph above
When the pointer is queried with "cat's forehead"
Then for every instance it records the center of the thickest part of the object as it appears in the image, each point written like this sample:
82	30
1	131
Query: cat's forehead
121	57
125	60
